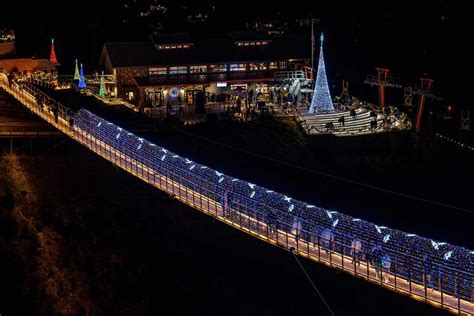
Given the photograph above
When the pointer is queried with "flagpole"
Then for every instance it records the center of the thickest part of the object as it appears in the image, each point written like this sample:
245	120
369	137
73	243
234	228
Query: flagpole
312	49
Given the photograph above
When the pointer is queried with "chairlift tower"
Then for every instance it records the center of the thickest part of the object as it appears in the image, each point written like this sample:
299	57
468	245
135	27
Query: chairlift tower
382	80
424	91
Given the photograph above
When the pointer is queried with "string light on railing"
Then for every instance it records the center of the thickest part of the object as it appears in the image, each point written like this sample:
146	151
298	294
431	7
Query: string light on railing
356	219
334	224
448	255
310	206
219	174
188	161
100	123
163	158
437	244
379	228
251	185
288	199
464	146
220	180
386	238
234	180
118	135
291	207
192	167
252	194
330	213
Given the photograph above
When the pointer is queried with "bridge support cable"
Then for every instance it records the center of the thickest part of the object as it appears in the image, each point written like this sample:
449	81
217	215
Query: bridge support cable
292	250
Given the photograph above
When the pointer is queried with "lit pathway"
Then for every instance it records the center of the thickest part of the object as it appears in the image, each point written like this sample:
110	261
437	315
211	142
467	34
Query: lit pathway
252	226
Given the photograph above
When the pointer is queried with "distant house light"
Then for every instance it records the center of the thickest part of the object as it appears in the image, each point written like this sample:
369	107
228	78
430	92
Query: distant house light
173	46
252	43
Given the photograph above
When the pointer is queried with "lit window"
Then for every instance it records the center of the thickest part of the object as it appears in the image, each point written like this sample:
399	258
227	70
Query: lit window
196	69
257	66
178	70
218	68
157	71
237	67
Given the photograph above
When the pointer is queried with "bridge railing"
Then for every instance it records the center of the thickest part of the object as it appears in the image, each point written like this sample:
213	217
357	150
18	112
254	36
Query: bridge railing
446	285
413	267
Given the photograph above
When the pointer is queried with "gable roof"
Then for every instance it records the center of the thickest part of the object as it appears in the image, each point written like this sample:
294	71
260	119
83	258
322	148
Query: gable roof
142	54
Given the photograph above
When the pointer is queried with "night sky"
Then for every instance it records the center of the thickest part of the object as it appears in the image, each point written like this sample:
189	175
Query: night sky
412	39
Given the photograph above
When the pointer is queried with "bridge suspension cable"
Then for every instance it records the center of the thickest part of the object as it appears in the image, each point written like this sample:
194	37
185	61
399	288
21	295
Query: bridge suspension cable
292	250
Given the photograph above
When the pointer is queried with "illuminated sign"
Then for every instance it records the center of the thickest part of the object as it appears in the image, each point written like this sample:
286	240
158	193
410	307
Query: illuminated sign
221	84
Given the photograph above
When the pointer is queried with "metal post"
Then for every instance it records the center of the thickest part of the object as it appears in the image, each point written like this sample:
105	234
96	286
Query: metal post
441	289
409	275
319	249
354	260
458	292
395	272
330	252
342	257
424	282
367	265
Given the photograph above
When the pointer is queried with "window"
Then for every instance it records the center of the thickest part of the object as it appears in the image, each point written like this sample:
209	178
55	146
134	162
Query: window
283	64
272	65
257	66
178	70
237	67
252	43
157	71
218	68
197	69
173	46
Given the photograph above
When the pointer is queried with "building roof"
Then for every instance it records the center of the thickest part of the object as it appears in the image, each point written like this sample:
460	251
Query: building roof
250	36
143	54
176	38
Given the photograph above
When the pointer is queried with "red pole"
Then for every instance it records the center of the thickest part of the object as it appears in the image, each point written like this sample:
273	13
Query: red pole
424	89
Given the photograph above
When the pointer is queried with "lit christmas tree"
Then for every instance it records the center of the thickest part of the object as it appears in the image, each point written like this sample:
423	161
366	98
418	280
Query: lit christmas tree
77	76
82	81
52	57
101	91
322	102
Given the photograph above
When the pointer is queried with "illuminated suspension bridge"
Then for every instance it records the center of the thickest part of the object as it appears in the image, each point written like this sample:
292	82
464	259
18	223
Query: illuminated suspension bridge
424	269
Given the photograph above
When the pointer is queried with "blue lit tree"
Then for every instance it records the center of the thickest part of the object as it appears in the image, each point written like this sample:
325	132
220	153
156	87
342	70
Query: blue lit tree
322	102
82	81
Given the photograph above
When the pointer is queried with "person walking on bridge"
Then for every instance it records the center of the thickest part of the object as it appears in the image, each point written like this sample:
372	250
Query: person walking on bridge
224	204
